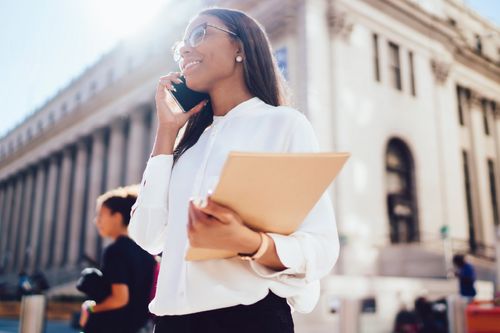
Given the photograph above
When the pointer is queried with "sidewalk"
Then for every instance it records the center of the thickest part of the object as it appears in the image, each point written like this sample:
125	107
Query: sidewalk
52	326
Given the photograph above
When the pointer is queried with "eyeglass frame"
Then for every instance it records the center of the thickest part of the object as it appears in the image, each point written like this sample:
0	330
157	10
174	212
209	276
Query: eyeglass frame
177	45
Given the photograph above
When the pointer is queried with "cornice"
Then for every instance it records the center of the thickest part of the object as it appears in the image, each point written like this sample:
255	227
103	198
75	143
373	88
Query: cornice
410	14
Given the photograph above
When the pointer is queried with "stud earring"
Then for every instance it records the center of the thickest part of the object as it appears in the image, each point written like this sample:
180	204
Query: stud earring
239	58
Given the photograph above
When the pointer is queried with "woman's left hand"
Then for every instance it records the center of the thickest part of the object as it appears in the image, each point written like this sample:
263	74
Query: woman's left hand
218	227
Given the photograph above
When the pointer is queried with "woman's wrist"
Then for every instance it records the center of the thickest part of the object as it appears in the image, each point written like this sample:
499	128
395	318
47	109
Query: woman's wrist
249	242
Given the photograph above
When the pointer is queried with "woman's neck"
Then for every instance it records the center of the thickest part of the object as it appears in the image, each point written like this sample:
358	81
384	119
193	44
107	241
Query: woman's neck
227	95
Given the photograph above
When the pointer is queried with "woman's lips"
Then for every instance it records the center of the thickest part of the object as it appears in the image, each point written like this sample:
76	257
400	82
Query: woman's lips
189	66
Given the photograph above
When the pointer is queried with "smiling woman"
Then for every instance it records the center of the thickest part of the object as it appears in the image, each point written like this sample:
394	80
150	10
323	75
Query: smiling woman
226	54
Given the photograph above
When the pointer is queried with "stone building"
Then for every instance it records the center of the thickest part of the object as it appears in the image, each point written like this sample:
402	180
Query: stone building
410	87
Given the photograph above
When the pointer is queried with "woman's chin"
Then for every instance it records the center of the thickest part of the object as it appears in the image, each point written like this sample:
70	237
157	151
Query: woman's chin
196	83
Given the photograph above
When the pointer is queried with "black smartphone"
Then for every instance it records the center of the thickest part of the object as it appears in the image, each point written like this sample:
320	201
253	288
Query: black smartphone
186	98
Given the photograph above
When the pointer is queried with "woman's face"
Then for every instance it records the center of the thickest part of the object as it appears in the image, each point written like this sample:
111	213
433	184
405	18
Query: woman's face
213	59
108	224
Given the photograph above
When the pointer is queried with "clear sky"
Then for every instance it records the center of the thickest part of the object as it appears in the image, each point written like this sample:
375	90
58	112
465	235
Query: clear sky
46	43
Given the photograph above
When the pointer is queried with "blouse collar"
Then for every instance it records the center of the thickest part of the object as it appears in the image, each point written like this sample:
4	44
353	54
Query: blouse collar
241	108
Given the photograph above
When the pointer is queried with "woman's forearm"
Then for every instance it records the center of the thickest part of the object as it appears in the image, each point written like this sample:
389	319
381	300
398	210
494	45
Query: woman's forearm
270	258
164	141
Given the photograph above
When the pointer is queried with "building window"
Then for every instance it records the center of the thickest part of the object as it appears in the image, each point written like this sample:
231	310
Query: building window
463	103
468	198
485	110
401	198
93	87
64	109
412	74
493	192
78	98
281	56
376	58
395	66
479	45
52	118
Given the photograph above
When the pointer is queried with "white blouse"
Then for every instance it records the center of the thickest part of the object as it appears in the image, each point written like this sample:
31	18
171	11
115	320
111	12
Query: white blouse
160	216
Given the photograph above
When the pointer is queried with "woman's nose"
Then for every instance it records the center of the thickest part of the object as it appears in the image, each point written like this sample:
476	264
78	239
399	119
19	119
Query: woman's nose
184	49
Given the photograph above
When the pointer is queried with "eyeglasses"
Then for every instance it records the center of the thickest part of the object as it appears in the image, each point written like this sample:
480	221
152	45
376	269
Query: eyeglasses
195	38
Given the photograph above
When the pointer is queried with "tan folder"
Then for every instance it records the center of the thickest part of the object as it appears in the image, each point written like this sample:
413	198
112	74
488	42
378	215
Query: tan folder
272	192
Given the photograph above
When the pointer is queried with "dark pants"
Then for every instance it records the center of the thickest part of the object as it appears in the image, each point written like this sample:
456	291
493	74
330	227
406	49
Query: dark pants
269	315
111	322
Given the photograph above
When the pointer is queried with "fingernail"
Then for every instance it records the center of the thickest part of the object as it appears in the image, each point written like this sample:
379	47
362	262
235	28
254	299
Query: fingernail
204	203
196	201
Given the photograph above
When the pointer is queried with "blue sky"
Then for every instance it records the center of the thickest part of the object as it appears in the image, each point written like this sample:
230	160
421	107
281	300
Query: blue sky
46	43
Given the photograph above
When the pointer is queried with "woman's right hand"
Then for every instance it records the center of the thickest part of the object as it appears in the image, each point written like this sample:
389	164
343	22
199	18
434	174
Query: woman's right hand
170	116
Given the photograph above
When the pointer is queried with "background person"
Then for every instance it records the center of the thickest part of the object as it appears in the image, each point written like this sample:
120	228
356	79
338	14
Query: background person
125	266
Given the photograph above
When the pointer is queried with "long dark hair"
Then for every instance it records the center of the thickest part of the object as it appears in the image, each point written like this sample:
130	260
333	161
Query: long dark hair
262	76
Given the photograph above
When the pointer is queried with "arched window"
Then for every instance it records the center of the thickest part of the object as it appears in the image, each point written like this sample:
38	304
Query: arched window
401	197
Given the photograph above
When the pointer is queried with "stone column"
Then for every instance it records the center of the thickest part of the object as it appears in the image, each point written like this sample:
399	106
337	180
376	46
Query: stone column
149	134
49	210
9	191
95	184
318	70
6	222
54	209
3	187
474	122
15	223
24	221
135	163
496	127
19	218
116	146
27	250
77	205
62	209
39	218
85	218
35	219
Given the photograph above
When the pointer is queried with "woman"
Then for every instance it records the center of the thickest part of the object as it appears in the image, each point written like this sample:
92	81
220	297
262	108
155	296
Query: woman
227	54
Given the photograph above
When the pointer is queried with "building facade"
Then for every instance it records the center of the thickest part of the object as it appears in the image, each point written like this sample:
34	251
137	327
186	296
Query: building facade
410	87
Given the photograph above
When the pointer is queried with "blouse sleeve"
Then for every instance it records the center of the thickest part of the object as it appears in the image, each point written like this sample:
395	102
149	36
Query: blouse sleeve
148	219
310	252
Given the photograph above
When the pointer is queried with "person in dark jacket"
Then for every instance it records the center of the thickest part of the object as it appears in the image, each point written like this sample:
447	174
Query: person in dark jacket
126	267
466	277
